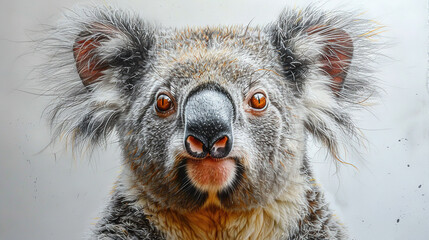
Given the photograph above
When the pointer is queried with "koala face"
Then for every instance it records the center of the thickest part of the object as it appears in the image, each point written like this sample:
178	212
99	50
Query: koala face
212	122
214	115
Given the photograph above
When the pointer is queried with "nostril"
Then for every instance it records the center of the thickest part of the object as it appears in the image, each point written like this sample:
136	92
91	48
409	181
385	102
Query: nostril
195	147
221	147
221	143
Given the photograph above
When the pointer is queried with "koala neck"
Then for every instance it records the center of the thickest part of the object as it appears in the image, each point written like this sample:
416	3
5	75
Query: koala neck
277	220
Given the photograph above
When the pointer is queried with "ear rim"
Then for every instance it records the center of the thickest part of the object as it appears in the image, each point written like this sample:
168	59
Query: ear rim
337	54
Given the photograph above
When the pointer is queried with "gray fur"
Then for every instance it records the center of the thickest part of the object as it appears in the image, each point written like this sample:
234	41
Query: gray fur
142	60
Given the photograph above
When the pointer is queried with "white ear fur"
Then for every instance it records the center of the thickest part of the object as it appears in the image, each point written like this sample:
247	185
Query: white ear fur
323	111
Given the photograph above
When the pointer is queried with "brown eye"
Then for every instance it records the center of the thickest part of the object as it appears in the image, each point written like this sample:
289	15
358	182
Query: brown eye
258	101
163	103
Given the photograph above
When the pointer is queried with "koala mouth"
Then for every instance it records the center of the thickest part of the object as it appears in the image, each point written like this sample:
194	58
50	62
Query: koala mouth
211	174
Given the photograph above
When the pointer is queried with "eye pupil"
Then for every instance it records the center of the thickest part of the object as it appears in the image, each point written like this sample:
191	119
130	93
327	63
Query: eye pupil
258	101
163	103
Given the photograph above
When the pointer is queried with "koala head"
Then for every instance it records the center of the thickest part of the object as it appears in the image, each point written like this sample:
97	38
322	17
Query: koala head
210	115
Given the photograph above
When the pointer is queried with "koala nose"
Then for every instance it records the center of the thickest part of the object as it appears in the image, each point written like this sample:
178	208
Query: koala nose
208	118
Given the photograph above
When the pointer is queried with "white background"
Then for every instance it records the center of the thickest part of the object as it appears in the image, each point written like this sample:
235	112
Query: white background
52	194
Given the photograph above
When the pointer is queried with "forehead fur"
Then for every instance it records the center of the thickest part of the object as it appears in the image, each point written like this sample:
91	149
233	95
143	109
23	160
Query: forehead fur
213	54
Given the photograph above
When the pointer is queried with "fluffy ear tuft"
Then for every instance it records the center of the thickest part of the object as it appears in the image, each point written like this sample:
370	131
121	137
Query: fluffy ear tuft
96	56
326	60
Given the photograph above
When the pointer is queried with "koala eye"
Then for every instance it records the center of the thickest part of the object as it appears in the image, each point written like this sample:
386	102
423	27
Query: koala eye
163	103
258	101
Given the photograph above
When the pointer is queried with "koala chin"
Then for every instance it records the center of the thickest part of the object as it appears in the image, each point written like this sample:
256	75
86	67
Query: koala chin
212	121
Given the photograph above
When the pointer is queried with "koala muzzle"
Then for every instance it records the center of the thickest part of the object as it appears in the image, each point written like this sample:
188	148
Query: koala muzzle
208	118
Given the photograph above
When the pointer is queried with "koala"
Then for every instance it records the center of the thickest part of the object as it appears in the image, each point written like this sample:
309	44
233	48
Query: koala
212	122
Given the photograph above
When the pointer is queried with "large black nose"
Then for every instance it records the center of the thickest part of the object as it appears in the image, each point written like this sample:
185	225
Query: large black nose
208	118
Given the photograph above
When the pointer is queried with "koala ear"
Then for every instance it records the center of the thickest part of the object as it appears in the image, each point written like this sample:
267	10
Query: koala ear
325	59
336	53
96	57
